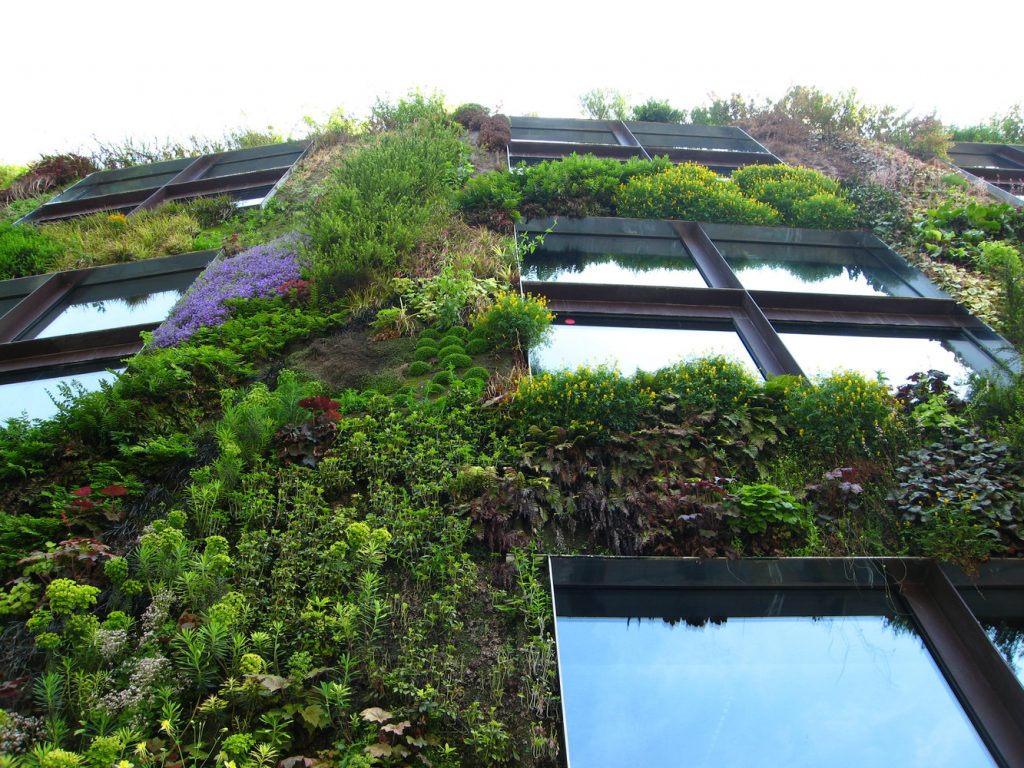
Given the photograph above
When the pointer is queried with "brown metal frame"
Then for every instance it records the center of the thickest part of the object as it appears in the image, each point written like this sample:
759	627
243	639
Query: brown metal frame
756	314
188	182
992	696
721	161
20	357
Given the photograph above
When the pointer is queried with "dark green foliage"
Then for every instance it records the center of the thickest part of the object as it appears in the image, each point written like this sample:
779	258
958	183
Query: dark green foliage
961	497
457	360
451	349
418	368
25	250
656	111
455	332
477	372
425	352
514	321
879	209
491	199
428	333
444	378
477	346
1007	128
954	232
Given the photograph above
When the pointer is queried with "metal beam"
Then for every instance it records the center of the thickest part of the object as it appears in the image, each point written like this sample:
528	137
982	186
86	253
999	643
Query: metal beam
42	300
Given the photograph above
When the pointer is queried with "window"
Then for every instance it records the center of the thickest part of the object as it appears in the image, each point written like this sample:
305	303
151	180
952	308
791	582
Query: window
721	148
249	176
75	325
786	301
1000	166
800	662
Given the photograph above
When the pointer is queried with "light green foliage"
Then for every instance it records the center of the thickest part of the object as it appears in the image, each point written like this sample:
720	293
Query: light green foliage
446	299
59	758
9	173
514	321
656	111
19	600
762	505
804	197
1007	128
705	384
25	250
114	238
691	192
66	597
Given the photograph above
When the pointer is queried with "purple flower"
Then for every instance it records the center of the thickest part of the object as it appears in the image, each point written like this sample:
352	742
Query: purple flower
255	273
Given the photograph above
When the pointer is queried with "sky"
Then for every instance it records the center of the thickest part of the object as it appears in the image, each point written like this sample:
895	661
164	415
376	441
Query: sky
115	69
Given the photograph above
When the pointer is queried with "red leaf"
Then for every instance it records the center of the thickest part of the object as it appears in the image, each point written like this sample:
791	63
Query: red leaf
85	490
114	490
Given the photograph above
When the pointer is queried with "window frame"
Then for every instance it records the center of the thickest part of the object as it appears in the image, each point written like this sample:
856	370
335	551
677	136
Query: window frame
756	313
992	697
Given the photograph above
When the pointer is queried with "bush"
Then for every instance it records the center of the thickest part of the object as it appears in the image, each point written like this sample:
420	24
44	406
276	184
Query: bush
457	332
840	416
24	250
425	352
470	115
477	372
587	401
515	322
762	505
804	197
581	185
450	339
418	368
477	346
416	108
458	361
495	132
443	378
693	193
491	199
706	384
451	349
429	333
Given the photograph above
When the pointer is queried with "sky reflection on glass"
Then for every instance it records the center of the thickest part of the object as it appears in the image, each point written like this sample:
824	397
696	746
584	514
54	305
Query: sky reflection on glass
31	398
633	349
895	358
613	269
795	692
805	269
111	313
1008	638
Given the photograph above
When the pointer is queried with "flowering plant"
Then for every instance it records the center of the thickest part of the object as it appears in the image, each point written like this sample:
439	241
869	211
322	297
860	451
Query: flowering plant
256	273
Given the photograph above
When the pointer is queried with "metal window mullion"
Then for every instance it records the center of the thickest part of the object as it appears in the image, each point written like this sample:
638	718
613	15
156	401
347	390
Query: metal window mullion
626	137
190	172
991	694
37	304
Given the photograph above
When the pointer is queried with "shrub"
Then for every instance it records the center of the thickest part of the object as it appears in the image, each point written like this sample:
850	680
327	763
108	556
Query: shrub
256	273
585	401
477	346
581	185
706	384
415	108
425	352
470	115
495	132
451	339
444	378
458	361
691	192
516	322
212	211
491	199
457	331
418	368
477	372
435	390
841	415
804	197
429	333
24	250
451	349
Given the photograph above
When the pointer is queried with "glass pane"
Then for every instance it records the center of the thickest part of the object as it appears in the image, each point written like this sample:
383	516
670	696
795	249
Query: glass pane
633	349
613	268
112	313
892	357
31	399
798	692
1008	638
811	269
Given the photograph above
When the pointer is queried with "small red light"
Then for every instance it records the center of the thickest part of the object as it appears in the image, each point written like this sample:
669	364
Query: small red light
570	321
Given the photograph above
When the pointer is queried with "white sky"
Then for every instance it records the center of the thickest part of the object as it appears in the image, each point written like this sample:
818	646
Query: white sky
113	68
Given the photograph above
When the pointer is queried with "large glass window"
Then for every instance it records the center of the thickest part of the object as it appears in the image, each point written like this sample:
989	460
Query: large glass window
848	690
36	398
634	347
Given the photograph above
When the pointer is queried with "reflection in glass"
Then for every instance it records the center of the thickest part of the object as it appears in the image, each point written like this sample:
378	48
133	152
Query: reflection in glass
811	269
632	349
1008	638
112	313
894	358
798	692
32	399
614	269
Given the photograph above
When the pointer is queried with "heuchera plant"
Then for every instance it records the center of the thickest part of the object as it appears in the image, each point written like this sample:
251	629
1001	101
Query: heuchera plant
256	273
